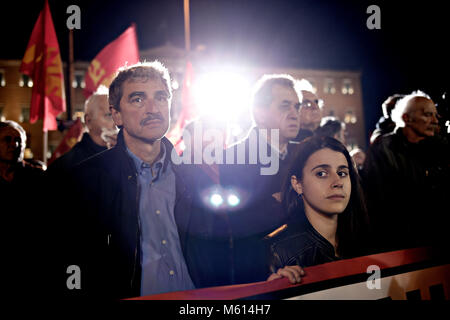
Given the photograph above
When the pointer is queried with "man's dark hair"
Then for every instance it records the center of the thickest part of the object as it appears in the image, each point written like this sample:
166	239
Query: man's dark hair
389	104
141	71
329	126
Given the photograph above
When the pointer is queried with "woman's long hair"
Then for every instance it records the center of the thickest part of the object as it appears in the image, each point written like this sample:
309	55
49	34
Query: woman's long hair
352	228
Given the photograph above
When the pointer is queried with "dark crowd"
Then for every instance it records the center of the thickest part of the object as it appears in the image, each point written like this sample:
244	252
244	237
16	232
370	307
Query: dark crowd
135	220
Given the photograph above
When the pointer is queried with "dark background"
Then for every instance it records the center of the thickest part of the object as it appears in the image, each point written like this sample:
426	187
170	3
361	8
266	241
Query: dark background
409	52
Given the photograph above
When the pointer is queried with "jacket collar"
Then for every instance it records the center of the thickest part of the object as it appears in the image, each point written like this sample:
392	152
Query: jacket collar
255	130
87	141
167	144
302	223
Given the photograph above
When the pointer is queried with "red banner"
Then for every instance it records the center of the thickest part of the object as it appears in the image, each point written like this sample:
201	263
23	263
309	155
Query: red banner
42	62
123	50
70	139
419	273
188	109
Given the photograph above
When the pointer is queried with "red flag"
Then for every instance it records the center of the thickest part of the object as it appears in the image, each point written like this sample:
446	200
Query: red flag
116	54
189	111
188	108
42	62
70	139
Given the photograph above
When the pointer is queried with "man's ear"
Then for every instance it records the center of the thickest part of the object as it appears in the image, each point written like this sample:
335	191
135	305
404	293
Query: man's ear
406	118
87	118
296	185
87	121
117	116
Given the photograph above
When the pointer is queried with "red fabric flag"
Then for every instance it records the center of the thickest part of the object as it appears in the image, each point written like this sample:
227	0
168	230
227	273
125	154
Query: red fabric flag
123	50
188	109
70	139
42	62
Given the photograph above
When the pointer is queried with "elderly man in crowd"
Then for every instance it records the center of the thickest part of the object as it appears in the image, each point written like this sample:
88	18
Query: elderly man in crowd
257	184
20	186
310	113
405	177
101	132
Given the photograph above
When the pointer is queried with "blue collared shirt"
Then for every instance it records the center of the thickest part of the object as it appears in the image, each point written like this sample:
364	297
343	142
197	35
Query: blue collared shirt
162	261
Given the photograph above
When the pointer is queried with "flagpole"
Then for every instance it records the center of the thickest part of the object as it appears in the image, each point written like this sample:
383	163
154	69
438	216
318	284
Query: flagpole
45	147
187	29
71	77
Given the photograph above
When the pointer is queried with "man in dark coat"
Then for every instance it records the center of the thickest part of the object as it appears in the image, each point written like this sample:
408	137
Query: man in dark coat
253	173
100	132
405	177
20	184
385	124
310	113
131	225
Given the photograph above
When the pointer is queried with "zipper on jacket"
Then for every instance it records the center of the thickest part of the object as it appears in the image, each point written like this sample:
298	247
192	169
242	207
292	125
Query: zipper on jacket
138	231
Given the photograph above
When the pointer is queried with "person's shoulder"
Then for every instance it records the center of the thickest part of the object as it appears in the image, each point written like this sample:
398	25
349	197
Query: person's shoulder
385	142
32	169
107	162
290	242
233	148
290	233
64	162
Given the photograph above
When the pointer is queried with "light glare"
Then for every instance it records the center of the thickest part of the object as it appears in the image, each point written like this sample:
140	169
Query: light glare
222	94
233	200
216	200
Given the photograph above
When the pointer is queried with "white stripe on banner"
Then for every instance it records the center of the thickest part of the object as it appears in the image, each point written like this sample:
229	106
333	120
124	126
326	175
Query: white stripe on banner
403	286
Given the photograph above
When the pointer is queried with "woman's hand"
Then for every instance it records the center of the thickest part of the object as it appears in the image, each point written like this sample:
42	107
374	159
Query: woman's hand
293	273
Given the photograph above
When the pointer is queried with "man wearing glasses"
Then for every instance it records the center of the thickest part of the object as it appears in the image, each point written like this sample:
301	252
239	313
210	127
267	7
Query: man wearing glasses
275	109
310	112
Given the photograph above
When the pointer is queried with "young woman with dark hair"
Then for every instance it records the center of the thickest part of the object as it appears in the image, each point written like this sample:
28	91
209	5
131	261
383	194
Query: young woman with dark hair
324	200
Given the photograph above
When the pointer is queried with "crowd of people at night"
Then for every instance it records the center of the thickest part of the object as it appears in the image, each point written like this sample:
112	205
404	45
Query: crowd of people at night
137	220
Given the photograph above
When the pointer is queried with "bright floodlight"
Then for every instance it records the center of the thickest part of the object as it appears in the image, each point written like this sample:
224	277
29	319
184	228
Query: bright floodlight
216	199
222	94
233	200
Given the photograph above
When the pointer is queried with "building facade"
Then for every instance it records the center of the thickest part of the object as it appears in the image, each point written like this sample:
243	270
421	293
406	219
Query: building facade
340	90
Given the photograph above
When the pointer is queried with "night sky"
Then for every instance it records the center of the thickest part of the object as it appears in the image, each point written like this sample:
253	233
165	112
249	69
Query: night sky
408	53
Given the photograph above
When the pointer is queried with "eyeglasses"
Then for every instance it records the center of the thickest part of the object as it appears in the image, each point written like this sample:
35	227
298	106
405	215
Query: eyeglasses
309	103
9	139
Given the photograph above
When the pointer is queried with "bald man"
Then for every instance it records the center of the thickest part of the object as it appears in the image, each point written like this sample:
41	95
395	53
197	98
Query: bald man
100	133
417	117
405	177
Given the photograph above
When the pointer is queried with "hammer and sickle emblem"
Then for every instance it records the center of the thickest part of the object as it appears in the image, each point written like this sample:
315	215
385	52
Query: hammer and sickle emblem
96	72
29	54
71	142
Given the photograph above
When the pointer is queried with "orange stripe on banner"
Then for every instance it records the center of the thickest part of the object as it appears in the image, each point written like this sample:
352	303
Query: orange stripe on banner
326	271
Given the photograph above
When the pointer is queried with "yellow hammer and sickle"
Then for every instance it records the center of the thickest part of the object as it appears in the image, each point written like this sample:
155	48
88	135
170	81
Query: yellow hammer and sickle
54	65
107	80
71	142
54	73
96	72
29	54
